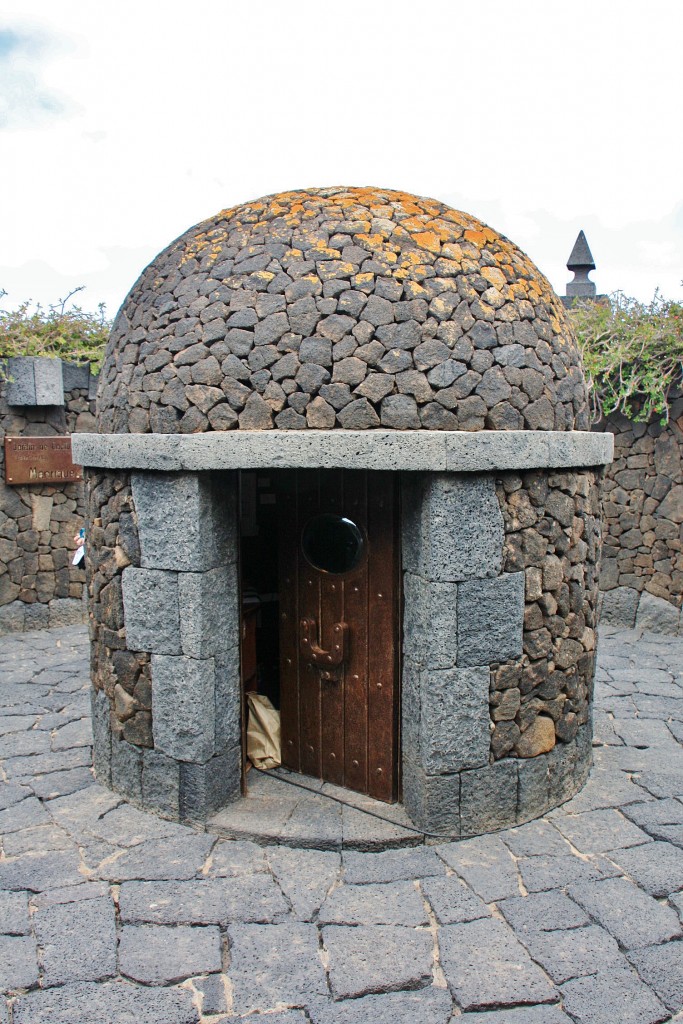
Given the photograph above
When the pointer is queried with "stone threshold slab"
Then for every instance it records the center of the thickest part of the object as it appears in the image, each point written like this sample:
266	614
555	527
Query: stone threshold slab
452	451
274	813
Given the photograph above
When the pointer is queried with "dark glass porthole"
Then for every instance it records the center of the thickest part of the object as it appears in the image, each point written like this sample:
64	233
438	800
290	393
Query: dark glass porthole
332	543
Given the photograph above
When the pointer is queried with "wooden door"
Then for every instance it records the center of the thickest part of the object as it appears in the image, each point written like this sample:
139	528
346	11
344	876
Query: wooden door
339	628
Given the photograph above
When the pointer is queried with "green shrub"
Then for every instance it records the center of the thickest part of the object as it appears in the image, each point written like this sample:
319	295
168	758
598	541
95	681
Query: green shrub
63	331
632	354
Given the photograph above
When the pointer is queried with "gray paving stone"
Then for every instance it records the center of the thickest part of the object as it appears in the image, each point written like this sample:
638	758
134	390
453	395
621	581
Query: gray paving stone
391	865
214	995
521	1015
606	788
163	859
630	915
70	894
82	811
305	877
662	819
253	898
391	903
486	966
542	873
427	1005
377	958
452	901
78	941
40	871
609	996
39	764
18	962
276	964
234	857
599	831
14	913
542	912
55	784
486	865
23	815
157	955
36	840
535	839
661	968
73	734
657	868
127	826
12	793
19	744
573	953
85	1003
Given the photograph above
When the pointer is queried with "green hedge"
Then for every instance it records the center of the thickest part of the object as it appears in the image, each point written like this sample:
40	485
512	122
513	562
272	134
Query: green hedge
63	331
632	354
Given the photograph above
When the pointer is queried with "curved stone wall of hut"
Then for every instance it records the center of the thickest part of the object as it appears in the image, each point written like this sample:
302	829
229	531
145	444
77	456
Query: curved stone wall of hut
357	317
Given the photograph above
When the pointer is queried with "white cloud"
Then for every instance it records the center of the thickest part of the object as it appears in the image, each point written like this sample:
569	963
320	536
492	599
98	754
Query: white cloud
538	117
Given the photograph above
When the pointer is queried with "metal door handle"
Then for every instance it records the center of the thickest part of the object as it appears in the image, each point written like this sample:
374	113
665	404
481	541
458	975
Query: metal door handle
313	652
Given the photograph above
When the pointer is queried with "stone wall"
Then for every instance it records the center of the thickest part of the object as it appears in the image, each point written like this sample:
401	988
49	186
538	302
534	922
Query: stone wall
39	586
553	535
500	594
164	622
642	568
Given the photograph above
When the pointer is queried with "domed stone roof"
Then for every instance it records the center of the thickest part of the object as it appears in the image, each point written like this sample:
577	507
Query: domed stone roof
341	308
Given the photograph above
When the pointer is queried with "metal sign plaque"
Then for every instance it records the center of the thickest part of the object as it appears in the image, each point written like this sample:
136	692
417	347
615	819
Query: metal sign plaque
40	460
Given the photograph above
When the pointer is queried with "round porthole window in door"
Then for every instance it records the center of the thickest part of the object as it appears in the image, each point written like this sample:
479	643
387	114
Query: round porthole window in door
332	543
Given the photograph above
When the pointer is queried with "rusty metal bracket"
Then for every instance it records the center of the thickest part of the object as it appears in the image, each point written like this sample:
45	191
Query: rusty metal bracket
310	648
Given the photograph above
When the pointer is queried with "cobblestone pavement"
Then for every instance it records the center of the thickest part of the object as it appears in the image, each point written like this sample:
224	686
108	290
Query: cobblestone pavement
109	915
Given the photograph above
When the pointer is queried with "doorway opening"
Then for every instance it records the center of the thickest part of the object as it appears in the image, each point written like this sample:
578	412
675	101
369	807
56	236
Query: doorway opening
321	633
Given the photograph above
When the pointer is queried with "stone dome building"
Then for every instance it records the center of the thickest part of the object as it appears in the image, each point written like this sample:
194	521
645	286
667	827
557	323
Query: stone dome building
343	462
342	308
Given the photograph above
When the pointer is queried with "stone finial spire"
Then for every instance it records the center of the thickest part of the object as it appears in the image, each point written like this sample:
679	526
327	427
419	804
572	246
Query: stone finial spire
581	263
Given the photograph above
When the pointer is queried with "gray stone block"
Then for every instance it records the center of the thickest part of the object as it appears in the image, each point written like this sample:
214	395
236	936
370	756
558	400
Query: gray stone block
160	783
488	798
228	714
48	378
151	610
21	389
657	615
619	607
126	770
432	801
454	719
12	617
568	767
206	788
183	712
209	611
490	619
452	527
76	376
186	521
477	959
92	387
533	793
429	622
38	615
93	1003
67	611
102	741
156	954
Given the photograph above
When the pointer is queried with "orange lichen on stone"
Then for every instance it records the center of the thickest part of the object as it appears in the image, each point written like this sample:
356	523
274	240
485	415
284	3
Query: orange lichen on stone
428	240
477	238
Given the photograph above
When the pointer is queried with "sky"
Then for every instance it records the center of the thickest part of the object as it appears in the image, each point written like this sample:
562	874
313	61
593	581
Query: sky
122	125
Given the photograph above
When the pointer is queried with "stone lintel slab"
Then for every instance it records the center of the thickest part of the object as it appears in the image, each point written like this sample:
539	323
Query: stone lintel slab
454	451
